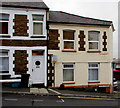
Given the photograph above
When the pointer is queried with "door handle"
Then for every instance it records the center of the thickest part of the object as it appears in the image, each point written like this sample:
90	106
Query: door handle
32	70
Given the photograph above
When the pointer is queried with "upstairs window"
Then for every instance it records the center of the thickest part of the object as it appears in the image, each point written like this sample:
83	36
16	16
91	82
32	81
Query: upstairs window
93	40
37	25
68	40
4	19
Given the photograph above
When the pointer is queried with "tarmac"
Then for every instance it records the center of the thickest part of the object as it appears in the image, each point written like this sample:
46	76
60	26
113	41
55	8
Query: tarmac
59	92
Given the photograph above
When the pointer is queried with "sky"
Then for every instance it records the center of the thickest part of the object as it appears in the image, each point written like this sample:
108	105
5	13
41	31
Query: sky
99	9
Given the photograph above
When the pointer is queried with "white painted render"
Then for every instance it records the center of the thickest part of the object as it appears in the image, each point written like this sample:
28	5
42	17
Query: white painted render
82	58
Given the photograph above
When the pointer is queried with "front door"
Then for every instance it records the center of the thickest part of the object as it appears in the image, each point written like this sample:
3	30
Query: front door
38	69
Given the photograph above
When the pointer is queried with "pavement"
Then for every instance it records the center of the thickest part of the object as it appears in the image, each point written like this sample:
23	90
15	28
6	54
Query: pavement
58	92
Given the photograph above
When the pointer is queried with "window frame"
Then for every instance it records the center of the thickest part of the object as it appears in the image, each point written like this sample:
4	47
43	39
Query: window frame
8	21
73	68
98	42
41	22
98	70
66	40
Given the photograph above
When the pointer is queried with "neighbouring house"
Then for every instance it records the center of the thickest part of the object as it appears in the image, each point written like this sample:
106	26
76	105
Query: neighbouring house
55	48
116	69
81	51
23	37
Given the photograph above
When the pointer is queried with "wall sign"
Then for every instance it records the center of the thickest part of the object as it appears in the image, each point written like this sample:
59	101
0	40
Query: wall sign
54	59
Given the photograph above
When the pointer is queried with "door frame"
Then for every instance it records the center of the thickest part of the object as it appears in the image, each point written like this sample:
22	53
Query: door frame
44	48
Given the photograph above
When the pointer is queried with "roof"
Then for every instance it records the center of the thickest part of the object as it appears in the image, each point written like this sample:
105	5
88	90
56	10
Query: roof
116	61
35	5
67	18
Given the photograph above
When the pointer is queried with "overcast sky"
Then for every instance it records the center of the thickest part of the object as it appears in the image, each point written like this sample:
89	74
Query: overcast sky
100	9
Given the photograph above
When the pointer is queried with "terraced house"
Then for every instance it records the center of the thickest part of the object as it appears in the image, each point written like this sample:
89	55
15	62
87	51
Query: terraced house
24	41
83	48
54	47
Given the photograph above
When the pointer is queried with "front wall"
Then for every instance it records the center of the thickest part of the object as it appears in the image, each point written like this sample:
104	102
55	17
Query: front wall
82	58
20	62
23	42
20	25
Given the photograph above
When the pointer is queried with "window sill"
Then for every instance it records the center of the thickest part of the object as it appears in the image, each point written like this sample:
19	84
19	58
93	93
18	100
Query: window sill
38	36
94	51
68	83
2	36
69	51
93	81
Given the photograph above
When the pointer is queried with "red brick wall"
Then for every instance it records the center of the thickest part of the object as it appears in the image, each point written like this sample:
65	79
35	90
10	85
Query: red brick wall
82	41
23	43
53	40
20	61
20	25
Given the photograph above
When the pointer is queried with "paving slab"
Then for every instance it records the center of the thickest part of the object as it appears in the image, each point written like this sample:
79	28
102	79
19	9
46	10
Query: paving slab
43	90
34	90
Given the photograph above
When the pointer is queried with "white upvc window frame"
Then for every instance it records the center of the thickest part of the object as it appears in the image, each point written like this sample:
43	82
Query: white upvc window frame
73	68
65	40
98	42
69	41
93	69
8	21
43	23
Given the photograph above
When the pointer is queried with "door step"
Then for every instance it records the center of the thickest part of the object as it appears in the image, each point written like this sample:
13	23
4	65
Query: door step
38	85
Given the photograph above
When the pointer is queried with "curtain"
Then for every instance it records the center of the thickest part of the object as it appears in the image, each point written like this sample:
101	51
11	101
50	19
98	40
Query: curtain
93	74
68	75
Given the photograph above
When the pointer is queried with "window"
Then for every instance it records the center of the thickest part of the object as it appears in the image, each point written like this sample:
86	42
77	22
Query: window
68	40
4	61
93	40
4	19
93	71
68	72
37	24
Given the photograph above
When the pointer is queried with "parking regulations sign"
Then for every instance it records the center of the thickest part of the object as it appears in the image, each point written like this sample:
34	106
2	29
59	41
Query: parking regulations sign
54	59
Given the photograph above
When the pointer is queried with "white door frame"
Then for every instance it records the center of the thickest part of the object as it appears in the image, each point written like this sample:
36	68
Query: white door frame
45	63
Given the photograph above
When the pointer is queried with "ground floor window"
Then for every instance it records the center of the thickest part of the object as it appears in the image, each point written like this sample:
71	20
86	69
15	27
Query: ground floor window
4	61
93	70
68	72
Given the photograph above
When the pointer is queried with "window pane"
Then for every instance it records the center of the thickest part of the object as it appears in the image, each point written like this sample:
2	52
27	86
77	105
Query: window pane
68	35
93	74
68	66
93	65
68	75
93	36
93	45
4	64
4	17
3	27
38	17
37	28
68	45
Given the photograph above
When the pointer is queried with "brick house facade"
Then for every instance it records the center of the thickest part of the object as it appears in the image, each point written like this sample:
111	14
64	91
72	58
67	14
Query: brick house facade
23	39
31	36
